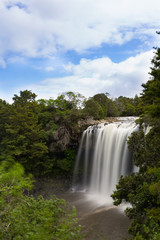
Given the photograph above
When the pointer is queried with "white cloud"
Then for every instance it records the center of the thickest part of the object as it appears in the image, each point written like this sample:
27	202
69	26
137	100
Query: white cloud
49	68
2	63
99	75
16	59
43	27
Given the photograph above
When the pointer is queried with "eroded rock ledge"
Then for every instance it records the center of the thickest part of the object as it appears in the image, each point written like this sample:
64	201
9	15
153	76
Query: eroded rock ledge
91	121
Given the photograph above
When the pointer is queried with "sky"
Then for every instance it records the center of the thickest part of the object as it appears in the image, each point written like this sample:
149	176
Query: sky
85	46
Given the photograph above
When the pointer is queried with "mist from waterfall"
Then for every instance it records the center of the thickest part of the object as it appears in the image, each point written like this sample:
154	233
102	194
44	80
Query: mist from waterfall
103	157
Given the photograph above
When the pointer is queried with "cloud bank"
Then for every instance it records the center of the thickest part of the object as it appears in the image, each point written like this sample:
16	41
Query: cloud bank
38	34
99	76
38	28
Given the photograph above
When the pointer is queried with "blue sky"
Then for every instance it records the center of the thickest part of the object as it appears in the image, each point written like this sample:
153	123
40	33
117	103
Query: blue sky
85	46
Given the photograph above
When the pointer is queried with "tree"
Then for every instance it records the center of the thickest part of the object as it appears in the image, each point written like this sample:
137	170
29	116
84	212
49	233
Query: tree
4	115
112	110
93	109
142	189
59	119
23	139
67	105
24	98
24	217
138	104
102	99
125	106
151	92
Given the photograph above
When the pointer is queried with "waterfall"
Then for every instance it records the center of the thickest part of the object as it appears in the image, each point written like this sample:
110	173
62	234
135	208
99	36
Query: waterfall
103	157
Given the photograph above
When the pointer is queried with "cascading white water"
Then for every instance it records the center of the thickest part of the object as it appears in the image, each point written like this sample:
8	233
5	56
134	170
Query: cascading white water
103	157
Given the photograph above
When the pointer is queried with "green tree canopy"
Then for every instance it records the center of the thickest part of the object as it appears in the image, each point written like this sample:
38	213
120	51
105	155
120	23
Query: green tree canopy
142	189
151	92
93	109
23	138
103	100
24	97
24	217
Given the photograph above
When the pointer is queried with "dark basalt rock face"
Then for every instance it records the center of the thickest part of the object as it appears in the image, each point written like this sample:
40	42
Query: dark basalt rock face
61	139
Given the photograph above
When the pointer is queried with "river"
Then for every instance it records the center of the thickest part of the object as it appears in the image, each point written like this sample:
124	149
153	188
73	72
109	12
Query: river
99	221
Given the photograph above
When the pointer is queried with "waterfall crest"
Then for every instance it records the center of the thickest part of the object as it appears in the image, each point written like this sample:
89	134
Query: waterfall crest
103	157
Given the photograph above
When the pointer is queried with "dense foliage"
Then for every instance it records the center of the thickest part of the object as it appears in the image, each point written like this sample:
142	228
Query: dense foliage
142	189
43	135
26	218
